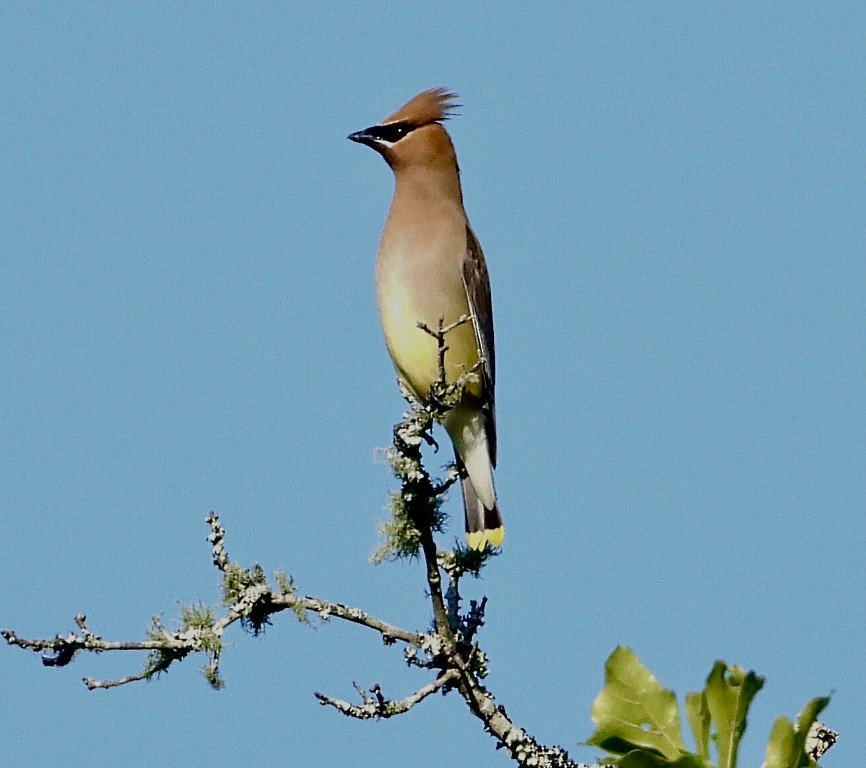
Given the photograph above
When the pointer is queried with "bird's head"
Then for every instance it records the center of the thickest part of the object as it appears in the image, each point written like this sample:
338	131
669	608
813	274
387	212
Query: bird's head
414	135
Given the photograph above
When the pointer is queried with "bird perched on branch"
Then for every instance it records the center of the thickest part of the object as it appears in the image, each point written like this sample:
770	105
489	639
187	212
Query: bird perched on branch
430	269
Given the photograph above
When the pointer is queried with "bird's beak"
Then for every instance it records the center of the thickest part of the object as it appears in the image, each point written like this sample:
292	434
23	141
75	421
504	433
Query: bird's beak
363	137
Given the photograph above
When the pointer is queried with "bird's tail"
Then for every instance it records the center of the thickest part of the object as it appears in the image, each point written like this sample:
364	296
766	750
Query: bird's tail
483	525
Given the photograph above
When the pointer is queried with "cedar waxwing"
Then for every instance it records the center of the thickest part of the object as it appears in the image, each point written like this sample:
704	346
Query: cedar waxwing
430	267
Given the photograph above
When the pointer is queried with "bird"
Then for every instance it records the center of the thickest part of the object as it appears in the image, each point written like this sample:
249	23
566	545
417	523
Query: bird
431	269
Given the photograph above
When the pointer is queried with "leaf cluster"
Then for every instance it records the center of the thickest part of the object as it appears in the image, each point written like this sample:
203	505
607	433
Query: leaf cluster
638	720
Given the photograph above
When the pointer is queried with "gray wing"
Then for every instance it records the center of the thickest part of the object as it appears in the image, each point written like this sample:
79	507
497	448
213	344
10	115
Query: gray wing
477	284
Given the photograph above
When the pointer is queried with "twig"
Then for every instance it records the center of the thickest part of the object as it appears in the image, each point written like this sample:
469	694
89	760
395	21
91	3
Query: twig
93	685
379	707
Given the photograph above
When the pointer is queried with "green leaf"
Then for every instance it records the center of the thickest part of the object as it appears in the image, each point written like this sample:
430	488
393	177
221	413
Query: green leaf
634	711
729	694
698	715
787	745
807	716
640	758
780	747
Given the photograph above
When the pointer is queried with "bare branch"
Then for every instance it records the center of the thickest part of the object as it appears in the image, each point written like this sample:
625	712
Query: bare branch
252	600
326	609
379	707
216	537
93	685
522	747
441	347
79	643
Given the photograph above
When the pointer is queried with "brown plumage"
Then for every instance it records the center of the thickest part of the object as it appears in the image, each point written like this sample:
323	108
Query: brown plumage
430	106
431	267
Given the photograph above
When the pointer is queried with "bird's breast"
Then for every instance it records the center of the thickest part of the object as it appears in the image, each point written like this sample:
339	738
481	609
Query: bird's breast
419	282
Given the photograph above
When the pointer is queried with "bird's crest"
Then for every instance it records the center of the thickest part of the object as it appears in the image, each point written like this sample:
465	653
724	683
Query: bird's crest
427	107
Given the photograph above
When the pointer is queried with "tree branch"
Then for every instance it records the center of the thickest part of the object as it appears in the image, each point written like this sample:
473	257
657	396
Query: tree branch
380	707
450	648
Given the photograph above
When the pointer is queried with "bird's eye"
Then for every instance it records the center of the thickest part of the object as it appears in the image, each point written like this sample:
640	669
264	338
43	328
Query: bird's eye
392	132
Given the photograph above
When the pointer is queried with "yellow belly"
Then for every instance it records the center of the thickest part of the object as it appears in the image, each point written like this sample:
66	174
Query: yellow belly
415	352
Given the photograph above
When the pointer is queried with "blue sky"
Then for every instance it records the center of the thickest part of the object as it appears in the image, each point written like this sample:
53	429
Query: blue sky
671	198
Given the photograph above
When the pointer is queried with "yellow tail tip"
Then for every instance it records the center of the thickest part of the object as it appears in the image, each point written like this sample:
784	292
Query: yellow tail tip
492	536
